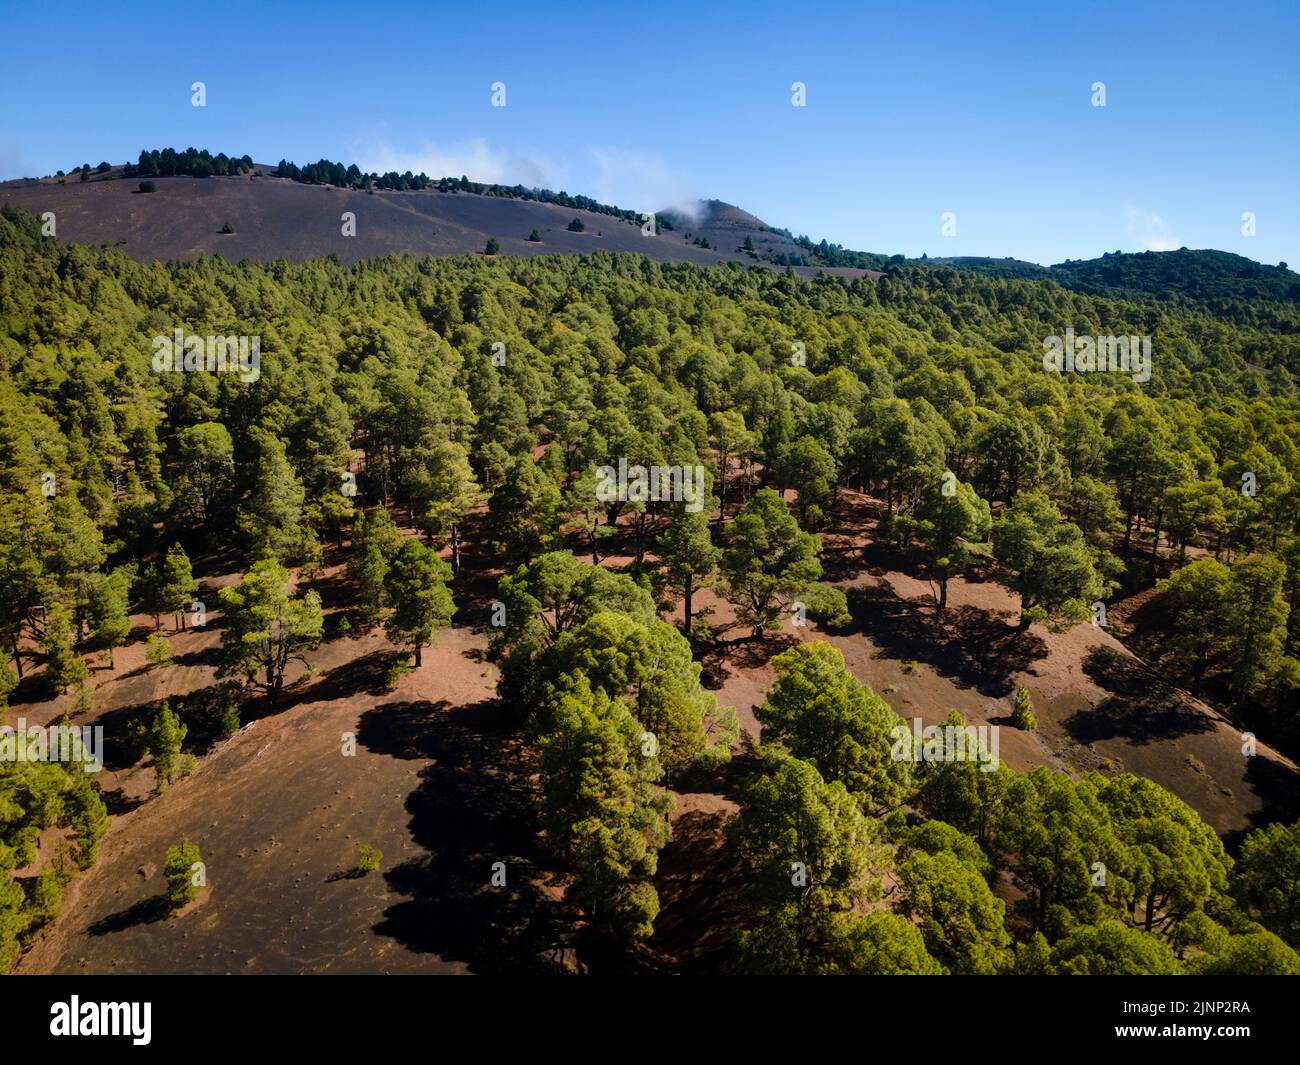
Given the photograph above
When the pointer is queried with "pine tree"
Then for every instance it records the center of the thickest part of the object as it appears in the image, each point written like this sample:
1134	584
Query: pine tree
415	585
267	627
166	735
183	870
110	617
63	666
176	584
1022	711
771	562
688	554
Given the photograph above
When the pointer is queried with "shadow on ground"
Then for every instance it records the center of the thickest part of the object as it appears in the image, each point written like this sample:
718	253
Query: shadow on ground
475	806
979	650
1140	708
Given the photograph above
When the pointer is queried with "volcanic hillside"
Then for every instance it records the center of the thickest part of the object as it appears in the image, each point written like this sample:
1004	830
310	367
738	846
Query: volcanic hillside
274	217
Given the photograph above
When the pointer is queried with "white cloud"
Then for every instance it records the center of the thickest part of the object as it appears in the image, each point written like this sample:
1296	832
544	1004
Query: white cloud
639	181
1149	229
475	158
625	177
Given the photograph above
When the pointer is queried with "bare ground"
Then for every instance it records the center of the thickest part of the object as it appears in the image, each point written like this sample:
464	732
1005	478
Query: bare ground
442	785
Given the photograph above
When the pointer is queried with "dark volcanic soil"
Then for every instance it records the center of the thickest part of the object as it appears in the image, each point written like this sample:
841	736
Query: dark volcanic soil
277	218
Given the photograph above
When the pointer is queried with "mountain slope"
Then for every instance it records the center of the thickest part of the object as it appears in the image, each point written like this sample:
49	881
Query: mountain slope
276	217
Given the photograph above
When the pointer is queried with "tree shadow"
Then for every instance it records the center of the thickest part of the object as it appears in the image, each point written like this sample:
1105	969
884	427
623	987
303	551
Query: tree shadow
366	675
978	649
117	802
214	559
208	656
1140	708
882	556
146	911
701	885
475	806
34	688
127	727
337	590
720	657
1278	787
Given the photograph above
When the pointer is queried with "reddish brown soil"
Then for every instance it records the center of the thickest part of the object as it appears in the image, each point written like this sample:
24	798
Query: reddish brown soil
441	784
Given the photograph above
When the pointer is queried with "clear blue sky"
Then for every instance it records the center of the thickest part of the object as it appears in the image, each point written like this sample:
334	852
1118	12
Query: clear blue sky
913	109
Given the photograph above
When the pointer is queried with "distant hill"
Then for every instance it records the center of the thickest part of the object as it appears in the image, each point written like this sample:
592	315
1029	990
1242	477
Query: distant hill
1007	267
1198	275
297	212
278	217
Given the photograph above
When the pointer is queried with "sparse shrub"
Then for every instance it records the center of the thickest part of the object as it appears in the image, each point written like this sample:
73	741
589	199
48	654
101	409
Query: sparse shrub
227	227
576	226
399	669
230	723
493	246
158	650
368	858
827	604
535	236
148	186
183	880
1022	711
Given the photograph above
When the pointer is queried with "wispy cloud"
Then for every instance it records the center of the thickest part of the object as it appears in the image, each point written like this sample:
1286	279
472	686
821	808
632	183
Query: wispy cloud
641	181
1149	229
630	178
476	159
13	164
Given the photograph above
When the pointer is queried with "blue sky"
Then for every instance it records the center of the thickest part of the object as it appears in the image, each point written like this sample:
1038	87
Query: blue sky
913	110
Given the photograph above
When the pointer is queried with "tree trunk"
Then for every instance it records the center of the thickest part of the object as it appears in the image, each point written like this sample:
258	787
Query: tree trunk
943	595
722	488
455	547
18	659
686	626
419	660
640	536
